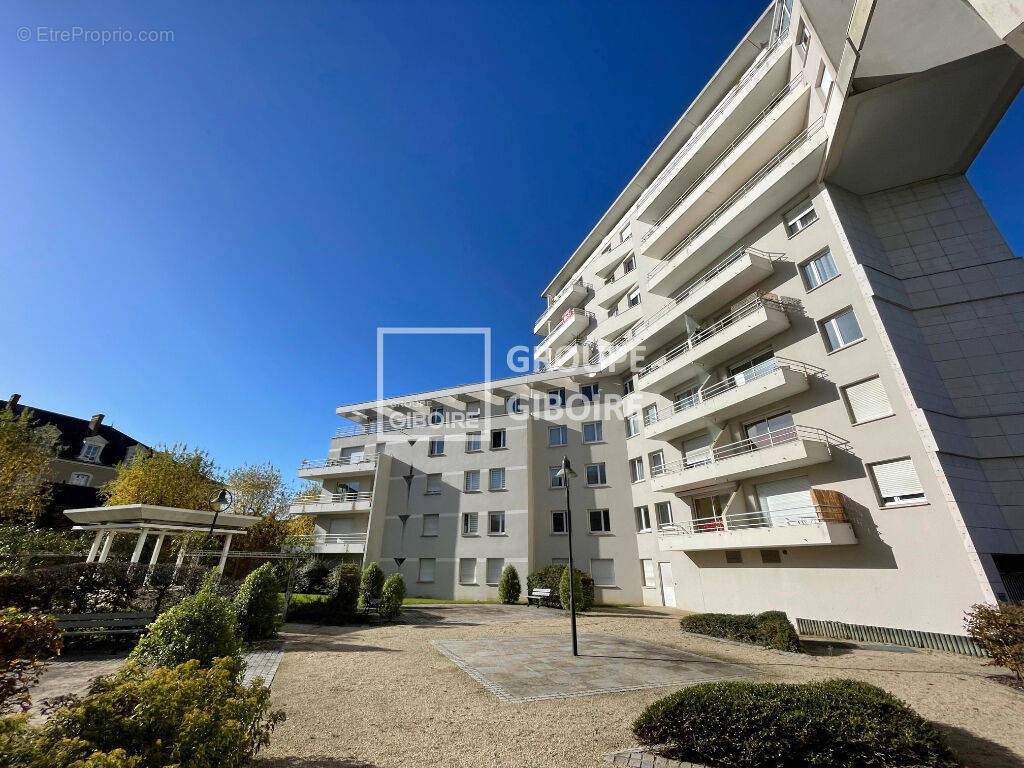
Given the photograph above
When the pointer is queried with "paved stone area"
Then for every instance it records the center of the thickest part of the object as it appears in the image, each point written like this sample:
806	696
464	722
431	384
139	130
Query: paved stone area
518	669
473	615
263	661
641	758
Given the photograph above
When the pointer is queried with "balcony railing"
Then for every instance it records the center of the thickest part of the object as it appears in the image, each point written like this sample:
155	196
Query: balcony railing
767	168
701	129
741	448
565	291
333	498
758	119
343	461
570	315
704	335
319	539
779	518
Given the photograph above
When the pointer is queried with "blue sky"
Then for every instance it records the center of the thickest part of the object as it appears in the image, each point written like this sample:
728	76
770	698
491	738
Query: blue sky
200	237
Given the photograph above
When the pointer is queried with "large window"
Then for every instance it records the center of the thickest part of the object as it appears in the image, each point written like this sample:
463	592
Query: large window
495	523
556	480
800	218
558	523
590	392
497	439
472	480
495	565
470	524
430	525
593	432
643	519
512	405
433	484
657	460
596	474
556	398
636	469
497	478
436	415
436	446
867	401
841	330
897	482
428	567
603	572
467	570
632	424
600	521
472	442
558	436
819	270
663	512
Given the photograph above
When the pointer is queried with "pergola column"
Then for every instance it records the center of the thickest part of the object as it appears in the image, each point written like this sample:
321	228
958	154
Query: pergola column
179	561
156	549
139	544
106	547
224	553
95	548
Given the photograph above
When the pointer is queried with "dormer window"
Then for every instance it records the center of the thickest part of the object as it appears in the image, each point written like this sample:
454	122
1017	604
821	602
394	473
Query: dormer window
91	449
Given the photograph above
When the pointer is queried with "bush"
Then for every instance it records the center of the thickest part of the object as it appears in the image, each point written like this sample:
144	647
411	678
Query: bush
582	600
508	585
1000	631
201	627
551	578
345	587
26	639
311	576
830	723
770	629
308	609
18	543
391	597
141	718
256	604
371	584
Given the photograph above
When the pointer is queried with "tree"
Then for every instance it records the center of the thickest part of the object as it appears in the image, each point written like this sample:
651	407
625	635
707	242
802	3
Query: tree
178	476
509	587
999	629
259	490
25	455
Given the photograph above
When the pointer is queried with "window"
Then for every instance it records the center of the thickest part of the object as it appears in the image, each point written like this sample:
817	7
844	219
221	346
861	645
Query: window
558	436
628	386
470	523
495	565
643	519
632	424
733	556
625	234
657	460
433	484
803	39
80	478
436	446
770	556
91	452
825	80
558	524
603	572
467	570
497	438
556	398
596	474
436	415
800	218
697	451
497	479
867	401
651	414
428	566
472	480
647	570
472	442
897	482
636	469
473	409
495	523
629	264
590	392
819	270
600	521
556	480
430	524
559	560
634	298
663	513
841	330
512	405
593	432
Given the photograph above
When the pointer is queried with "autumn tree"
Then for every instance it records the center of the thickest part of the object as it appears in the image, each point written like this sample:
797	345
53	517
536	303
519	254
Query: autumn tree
25	455
178	476
259	490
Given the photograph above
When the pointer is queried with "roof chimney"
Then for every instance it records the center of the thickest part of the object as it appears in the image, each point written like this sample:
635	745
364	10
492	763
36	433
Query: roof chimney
94	423
13	401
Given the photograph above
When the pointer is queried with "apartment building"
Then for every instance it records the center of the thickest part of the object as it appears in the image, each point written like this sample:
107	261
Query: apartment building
794	340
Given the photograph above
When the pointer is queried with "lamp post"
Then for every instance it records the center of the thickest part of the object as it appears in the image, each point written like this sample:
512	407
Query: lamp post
220	502
566	472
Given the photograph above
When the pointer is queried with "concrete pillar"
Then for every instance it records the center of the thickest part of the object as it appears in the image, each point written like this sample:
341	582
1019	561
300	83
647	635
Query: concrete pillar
156	549
224	553
106	547
178	562
95	549
139	544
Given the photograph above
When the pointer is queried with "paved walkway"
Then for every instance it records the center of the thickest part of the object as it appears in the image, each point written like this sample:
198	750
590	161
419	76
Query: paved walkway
473	615
640	758
263	661
518	669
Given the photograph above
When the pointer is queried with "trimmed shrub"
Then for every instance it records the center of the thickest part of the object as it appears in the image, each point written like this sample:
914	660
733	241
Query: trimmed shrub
26	638
583	599
308	609
345	587
371	584
311	576
256	604
830	723
550	577
999	630
391	597
770	629
508	585
201	627
140	718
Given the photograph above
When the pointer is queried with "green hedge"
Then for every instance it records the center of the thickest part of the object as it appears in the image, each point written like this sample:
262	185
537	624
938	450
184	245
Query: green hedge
508	585
308	609
770	629
755	725
391	596
551	578
256	604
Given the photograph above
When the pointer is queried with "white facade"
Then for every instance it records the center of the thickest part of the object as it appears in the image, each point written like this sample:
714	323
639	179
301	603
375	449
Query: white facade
805	333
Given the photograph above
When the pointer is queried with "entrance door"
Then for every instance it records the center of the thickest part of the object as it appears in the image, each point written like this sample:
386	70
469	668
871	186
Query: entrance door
668	585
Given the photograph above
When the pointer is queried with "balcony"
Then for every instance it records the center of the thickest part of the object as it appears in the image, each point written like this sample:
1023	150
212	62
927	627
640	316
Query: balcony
573	355
574	322
613	325
764	384
756	321
607	261
768	132
608	295
803	527
571	295
791	170
345	466
777	451
330	503
334	543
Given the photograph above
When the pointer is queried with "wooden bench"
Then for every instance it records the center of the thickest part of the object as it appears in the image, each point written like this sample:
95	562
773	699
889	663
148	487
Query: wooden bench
538	595
105	623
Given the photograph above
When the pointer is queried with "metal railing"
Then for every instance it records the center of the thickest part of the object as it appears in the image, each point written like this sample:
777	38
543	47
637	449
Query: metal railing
342	461
776	518
758	119
701	129
332	538
741	448
349	497
570	315
710	219
565	291
755	304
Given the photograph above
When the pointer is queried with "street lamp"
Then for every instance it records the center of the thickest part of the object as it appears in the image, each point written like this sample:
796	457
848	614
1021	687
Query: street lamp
566	472
221	501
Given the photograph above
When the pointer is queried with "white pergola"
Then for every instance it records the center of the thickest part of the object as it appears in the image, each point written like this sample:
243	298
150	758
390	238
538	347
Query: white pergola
142	520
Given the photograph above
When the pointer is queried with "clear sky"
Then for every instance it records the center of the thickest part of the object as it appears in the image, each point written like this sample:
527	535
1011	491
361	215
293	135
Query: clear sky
200	237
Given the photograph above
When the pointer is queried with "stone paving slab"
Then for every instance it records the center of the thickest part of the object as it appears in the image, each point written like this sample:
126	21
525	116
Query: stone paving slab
520	669
263	661
642	758
470	615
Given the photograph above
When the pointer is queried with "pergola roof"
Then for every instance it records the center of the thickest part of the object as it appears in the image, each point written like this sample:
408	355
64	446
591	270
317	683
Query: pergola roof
152	516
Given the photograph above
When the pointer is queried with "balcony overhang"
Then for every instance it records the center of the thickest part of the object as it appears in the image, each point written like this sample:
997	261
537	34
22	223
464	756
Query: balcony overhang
329	507
609	295
606	263
571	296
818	534
329	470
614	326
572	326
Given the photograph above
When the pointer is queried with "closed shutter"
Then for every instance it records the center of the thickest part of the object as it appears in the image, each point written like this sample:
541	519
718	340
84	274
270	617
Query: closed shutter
603	572
427	568
467	570
868	400
784	500
897	479
494	567
697	450
342	525
430	525
648	566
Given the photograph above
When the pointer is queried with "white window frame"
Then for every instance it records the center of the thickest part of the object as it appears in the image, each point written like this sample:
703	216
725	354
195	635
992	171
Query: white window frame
85	477
470	523
554	479
436	518
647	576
436	446
556	398
628	386
590	392
503	442
625	233
92	447
845	390
633	299
658	507
434	483
602	474
490	479
604	518
471	481
487	570
611	563
636	470
629	264
472	576
437	415
473	442
832	321
563	436
513	404
632	425
643	518
656	462
794	217
500	517
598	429
561	513
898	500
433	570
809	269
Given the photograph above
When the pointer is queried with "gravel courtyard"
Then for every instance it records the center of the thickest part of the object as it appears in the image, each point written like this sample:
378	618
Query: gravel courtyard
386	697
